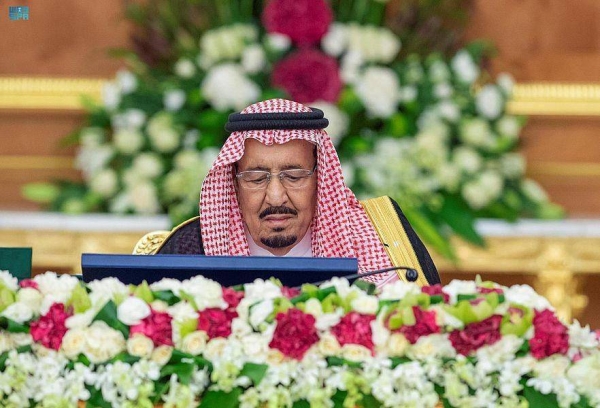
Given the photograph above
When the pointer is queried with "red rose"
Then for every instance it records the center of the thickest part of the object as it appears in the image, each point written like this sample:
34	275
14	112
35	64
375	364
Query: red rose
50	329
28	283
307	76
289	292
294	334
550	335
232	297
304	21
476	335
216	322
435	290
156	327
354	328
425	324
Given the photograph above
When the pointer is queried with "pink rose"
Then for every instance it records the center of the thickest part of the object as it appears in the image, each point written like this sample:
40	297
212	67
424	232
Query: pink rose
294	334
232	297
289	292
307	76
425	325
50	329
28	283
550	335
304	21
156	327
476	335
435	290
216	322
355	328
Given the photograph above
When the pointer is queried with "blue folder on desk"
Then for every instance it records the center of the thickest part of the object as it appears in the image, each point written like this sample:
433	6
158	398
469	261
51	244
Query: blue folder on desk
227	270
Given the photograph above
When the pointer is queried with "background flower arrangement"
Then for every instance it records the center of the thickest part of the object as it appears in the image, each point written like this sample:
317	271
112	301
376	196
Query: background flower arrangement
194	342
426	129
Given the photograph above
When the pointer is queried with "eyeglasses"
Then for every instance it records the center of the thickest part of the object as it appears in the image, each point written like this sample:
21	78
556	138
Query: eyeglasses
259	179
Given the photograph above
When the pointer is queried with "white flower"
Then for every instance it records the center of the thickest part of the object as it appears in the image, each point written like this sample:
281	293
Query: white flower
103	342
512	165
127	81
278	42
459	287
73	343
492	183
464	67
351	63
448	110
82	320
313	306
174	99
399	290
259	312
327	320
108	288
489	102
261	289
525	295
133	310
585	374
6	342
508	126
226	87
374	44
130	119
255	345
55	288
582	339
335	40
90	160
431	347
506	82
194	343
111	96
163	135
140	346
338	120
467	159
161	355
476	132
205	292
379	91
144	198
355	352
148	164
173	285
489	358
19	312
365	304
104	183
185	68
128	141
30	297
253	59
9	281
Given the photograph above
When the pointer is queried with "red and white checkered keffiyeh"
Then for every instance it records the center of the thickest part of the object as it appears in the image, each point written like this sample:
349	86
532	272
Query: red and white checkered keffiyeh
340	227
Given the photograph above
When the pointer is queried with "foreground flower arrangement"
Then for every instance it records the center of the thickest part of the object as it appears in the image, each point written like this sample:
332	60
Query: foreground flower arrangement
195	343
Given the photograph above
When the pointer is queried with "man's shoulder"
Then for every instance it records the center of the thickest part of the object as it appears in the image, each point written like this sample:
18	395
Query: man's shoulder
184	239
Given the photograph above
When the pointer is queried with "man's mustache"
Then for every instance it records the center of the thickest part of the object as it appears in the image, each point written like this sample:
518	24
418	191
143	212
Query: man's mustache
277	210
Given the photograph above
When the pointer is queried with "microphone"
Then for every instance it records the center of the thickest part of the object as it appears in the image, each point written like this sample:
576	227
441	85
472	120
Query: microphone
411	274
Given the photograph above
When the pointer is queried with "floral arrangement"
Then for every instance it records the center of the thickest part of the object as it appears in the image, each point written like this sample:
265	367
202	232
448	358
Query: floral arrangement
195	343
428	131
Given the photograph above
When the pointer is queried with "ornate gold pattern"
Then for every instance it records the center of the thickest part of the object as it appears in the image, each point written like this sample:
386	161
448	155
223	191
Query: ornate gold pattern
557	99
48	93
384	218
150	243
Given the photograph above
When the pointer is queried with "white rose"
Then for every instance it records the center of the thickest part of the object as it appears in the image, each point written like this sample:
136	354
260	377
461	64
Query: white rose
194	343
431	347
81	320
227	87
74	342
103	342
104	183
133	310
19	312
464	67
148	164
327	320
31	297
173	285
397	345
335	40
214	348
9	281
128	141
489	102
338	120
253	59
379	91
365	304
459	287
329	345
260	312
355	352
162	354
182	311
255	345
185	68
140	346
278	42
58	287
126	81
174	99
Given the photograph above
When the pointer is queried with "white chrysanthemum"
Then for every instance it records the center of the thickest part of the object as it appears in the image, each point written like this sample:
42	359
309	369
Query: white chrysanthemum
525	295
185	68
585	374
174	99
335	40
261	290
227	87
399	290
379	91
132	310
55	288
253	59
128	141
109	289
278	42
582	340
148	165
9	281
489	102
105	183
533	191
464	67
338	120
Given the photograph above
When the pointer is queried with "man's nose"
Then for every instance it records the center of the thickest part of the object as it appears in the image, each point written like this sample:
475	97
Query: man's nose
276	193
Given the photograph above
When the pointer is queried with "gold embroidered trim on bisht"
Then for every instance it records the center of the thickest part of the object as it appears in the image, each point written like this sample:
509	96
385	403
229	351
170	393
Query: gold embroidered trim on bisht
152	242
391	232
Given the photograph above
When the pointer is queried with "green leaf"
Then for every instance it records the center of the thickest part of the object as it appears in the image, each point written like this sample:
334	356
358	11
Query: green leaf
13	327
124	357
256	372
183	371
460	218
96	400
369	401
368	287
143	292
166	296
301	404
338	361
396	361
221	399
538	400
108	314
338	399
429	233
80	300
43	193
3	358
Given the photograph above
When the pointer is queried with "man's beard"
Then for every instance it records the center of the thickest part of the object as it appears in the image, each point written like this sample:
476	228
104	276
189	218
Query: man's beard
279	241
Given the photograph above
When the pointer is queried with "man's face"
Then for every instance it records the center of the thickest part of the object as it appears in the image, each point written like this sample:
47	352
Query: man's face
277	218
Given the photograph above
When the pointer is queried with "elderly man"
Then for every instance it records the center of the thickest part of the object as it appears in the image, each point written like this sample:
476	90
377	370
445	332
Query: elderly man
276	189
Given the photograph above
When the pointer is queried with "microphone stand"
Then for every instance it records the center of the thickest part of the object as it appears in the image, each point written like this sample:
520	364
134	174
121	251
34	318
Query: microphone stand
411	274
